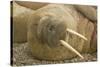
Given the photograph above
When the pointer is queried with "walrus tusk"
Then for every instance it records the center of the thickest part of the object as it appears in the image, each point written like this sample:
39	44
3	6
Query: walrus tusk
71	48
73	32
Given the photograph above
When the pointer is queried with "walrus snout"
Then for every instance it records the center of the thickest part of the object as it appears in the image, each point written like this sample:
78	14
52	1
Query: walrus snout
50	30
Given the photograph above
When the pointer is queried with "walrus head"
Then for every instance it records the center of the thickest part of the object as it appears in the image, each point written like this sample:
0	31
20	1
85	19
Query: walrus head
50	30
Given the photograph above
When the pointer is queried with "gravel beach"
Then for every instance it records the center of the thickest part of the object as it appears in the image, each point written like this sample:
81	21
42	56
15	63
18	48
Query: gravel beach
22	56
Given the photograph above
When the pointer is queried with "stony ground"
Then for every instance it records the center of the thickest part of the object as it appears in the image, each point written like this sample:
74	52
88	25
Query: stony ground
22	56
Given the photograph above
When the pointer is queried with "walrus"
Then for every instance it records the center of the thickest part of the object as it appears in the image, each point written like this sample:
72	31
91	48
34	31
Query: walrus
20	16
48	33
31	5
55	34
89	11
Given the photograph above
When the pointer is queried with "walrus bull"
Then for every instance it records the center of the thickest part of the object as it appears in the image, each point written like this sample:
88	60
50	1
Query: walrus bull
53	33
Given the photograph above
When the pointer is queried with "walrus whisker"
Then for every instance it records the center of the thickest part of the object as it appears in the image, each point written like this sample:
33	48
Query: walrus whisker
71	48
74	32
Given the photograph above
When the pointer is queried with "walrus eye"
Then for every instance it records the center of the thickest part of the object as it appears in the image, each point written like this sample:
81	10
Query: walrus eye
51	28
